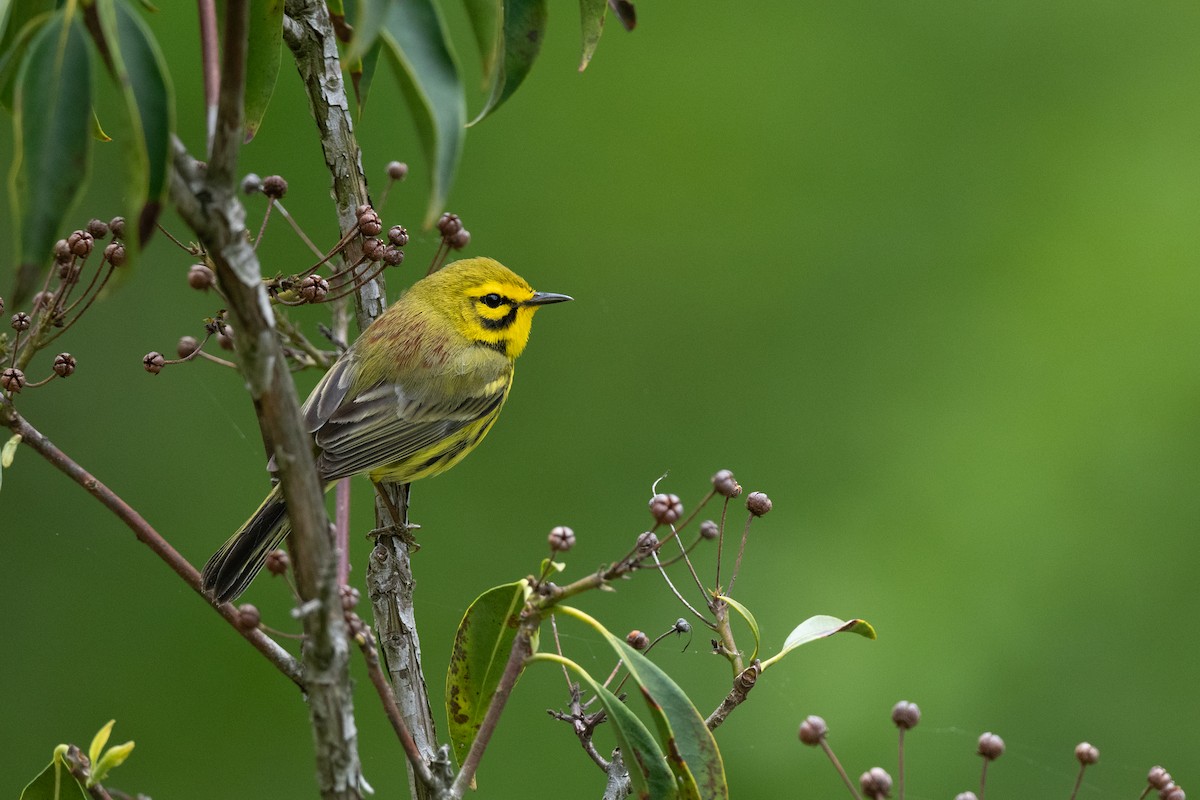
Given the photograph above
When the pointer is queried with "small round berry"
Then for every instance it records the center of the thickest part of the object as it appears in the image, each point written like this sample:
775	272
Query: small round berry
69	270
313	289
397	235
460	239
12	380
1159	778
646	542
187	345
991	746
248	617
1086	753
757	503
397	170
666	508
116	226
709	529
393	256
225	336
64	365
62	250
561	539
20	321
274	186
115	254
362	209
725	484
153	362
278	562
449	224
350	597
813	730
81	243
98	228
906	715
876	783
252	184
369	223
682	626
201	277
637	640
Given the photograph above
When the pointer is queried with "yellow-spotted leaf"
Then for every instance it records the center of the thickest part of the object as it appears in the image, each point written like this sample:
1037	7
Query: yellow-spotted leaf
746	615
418	48
521	31
482	645
648	772
53	126
692	752
820	627
262	61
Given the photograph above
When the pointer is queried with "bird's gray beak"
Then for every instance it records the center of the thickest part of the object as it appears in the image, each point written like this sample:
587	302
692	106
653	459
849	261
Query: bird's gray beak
546	298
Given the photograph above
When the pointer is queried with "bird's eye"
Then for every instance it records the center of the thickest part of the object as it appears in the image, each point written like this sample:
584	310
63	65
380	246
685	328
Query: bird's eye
492	300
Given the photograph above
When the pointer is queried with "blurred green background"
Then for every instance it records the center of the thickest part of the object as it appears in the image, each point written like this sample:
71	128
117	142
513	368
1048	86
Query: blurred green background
926	273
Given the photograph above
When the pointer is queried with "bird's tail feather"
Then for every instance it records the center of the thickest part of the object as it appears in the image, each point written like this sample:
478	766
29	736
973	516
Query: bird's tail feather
234	565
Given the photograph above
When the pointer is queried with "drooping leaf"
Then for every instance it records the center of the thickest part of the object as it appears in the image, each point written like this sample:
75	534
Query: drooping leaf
369	18
692	752
482	645
648	771
820	627
523	27
52	122
54	783
485	16
591	20
362	74
625	12
746	615
262	61
22	19
418	47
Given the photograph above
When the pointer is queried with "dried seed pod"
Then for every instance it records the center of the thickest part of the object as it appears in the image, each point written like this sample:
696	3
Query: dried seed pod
397	170
666	508
709	529
637	640
20	321
116	226
397	235
12	380
201	277
278	562
561	539
274	186
813	730
991	746
757	503
115	254
460	239
725	484
98	228
449	224
64	365
153	362
906	715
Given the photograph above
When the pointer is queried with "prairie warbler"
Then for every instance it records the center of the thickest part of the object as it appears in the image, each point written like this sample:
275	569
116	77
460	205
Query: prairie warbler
410	398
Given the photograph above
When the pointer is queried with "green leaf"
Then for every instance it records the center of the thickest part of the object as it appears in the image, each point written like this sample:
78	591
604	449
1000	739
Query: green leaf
550	565
362	73
22	20
113	757
416	41
54	783
648	771
7	453
485	16
520	41
482	645
591	18
820	627
52	136
99	740
369	17
746	615
692	752
262	61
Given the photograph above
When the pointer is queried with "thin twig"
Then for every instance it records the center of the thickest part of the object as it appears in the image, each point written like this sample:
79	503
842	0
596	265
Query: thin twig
678	596
207	11
737	565
721	542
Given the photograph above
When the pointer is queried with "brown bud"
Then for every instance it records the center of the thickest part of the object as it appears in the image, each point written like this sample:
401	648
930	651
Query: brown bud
460	239
20	321
637	640
449	224
350	597
98	228
647	542
278	562
372	248
201	277
991	746
64	365
81	243
153	362
1172	793
12	380
876	783
397	235
248	617
906	715
397	170
274	186
116	226
757	503
369	223
709	529
41	300
252	184
561	539
1159	778
225	336
115	254
813	730
725	484
362	209
313	289
62	250
1086	753
666	508
393	256
186	346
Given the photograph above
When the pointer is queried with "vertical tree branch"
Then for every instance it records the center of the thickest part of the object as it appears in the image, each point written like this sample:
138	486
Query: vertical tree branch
208	201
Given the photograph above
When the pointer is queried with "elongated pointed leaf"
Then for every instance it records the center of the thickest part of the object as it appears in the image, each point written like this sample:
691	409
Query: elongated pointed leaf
22	19
820	627
692	752
53	138
485	16
648	771
522	29
369	17
262	61
591	20
418	47
746	615
482	644
362	74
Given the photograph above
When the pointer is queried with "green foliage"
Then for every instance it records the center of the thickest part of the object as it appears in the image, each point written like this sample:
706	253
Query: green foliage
746	615
264	54
56	781
521	32
819	627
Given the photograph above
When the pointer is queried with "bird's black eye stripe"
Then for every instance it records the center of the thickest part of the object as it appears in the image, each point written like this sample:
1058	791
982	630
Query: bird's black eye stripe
493	300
